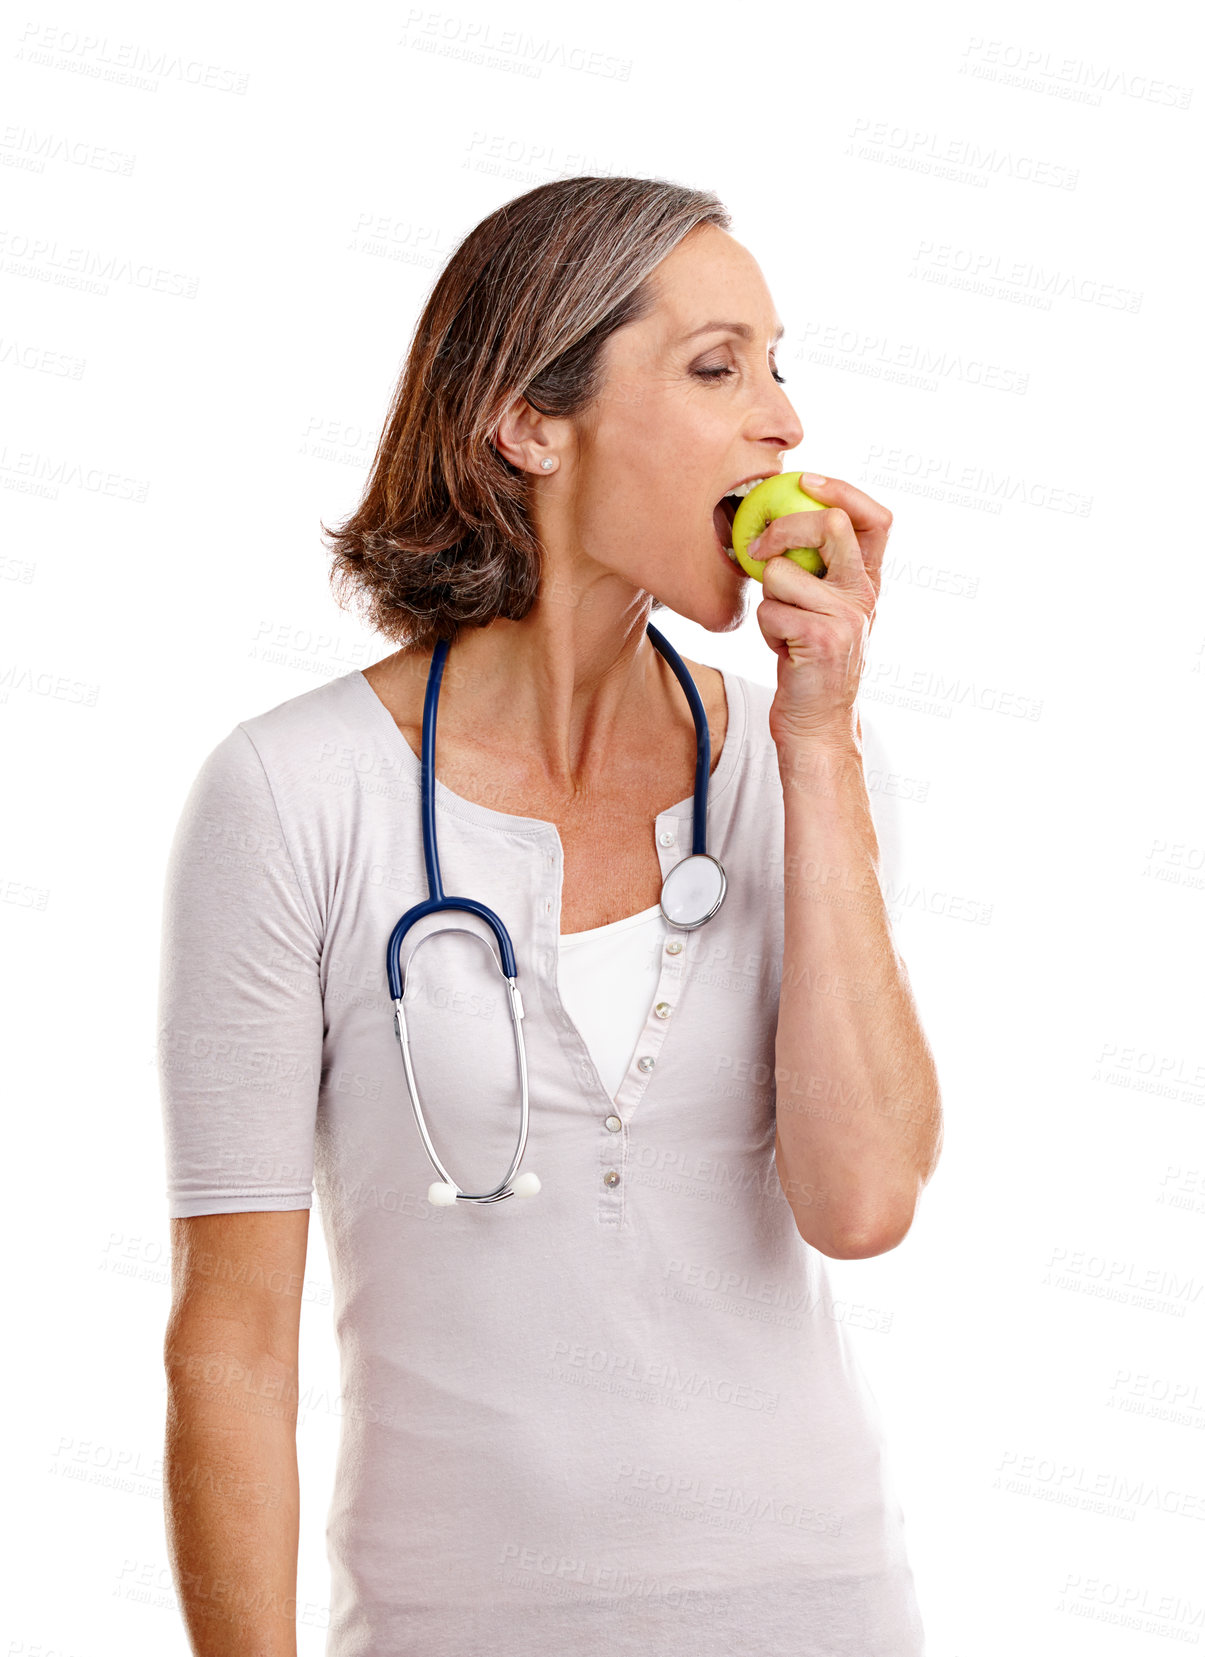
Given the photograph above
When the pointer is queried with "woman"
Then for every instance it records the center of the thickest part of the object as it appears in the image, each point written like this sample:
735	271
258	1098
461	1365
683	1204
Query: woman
621	1410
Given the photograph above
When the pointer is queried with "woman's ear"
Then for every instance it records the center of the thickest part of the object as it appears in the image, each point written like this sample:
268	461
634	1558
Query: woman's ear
527	438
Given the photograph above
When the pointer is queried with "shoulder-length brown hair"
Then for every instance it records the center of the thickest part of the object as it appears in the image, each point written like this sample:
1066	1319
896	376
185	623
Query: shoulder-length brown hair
443	537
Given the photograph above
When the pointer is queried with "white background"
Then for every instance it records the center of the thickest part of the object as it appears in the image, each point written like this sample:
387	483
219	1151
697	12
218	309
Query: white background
220	226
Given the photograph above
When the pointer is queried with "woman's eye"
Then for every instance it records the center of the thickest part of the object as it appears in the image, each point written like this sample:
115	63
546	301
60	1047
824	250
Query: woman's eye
723	372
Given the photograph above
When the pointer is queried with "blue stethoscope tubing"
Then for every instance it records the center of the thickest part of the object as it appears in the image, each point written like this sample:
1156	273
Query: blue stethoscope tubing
699	881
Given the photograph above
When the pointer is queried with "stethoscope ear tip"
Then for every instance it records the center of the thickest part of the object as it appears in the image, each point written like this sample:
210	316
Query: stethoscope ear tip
440	1194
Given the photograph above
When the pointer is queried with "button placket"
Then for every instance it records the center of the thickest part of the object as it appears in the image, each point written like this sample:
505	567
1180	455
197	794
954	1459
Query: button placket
656	1027
615	1146
650	1043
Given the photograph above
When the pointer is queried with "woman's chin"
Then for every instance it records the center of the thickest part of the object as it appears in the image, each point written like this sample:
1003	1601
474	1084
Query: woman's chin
718	604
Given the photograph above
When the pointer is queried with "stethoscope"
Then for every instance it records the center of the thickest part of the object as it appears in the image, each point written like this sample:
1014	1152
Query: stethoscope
691	894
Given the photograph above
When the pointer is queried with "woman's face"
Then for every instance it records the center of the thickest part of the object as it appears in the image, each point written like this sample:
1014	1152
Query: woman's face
688	410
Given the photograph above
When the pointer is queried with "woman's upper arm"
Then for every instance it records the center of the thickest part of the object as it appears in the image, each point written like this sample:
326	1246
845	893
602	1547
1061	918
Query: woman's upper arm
236	1286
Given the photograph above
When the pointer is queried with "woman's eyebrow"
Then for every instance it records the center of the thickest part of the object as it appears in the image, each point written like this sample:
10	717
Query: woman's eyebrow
741	328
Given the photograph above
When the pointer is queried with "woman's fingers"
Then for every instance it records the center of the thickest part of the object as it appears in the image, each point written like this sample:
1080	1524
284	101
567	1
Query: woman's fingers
817	626
869	519
832	534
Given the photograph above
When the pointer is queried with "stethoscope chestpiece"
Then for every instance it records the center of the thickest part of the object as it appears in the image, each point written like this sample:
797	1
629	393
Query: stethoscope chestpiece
693	891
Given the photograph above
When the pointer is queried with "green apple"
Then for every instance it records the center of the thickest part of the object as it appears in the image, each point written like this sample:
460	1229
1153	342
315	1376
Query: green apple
773	498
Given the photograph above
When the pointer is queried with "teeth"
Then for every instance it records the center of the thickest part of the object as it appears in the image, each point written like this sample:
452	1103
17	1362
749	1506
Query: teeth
742	489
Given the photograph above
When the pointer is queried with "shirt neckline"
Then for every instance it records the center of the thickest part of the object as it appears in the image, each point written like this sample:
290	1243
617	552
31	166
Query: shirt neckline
487	817
645	917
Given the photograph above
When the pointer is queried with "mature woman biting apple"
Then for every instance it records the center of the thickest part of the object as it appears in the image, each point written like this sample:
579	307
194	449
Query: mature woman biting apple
591	384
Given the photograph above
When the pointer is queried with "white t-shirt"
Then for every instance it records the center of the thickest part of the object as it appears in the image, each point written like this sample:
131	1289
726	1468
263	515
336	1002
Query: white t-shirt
623	1412
607	978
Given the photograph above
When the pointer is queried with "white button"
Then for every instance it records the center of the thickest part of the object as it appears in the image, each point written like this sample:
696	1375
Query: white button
662	1009
610	1177
667	837
645	1064
674	947
614	1124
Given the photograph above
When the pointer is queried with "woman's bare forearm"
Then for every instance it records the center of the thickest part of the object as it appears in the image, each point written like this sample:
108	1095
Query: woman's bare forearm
858	1103
231	1497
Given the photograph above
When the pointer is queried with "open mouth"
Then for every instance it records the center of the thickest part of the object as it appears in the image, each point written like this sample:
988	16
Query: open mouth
724	512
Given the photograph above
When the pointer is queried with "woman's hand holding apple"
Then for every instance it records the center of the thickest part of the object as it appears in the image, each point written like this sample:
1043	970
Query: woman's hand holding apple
817	625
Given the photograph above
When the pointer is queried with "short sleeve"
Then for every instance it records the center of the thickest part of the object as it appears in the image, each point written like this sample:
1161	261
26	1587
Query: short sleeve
240	1016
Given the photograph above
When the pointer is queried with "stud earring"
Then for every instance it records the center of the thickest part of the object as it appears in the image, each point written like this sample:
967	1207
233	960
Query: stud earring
548	463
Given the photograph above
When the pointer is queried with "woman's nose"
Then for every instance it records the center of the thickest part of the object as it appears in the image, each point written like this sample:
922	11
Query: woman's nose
782	425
